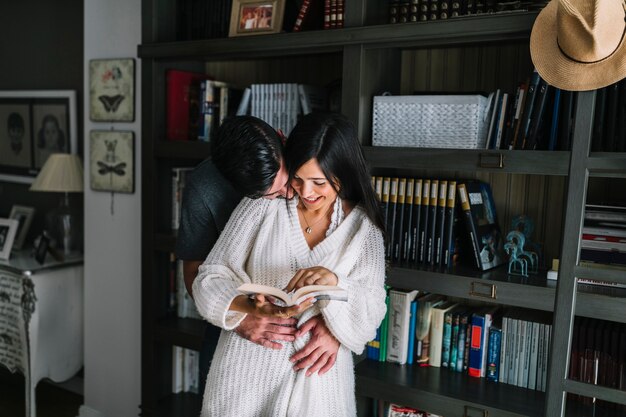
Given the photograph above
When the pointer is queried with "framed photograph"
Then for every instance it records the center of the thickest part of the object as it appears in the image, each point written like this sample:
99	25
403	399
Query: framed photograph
43	243
256	17
8	228
24	216
33	125
112	157
112	90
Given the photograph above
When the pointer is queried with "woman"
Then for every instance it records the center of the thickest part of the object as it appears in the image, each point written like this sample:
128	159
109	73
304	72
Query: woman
329	234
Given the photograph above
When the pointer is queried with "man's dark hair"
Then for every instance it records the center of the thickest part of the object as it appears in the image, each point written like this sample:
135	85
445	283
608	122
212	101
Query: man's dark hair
247	151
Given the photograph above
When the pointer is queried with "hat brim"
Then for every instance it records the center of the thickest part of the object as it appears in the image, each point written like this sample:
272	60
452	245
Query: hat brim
564	73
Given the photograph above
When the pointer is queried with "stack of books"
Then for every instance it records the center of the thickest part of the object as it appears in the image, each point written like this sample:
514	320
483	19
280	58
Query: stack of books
604	236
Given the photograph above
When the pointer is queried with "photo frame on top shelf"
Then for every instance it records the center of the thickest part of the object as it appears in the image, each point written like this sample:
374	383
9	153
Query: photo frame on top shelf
256	17
33	125
24	215
112	90
112	157
8	228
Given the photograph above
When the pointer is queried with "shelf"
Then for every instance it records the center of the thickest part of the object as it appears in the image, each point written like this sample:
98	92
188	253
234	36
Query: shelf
607	164
444	392
176	405
182	150
470	284
513	162
164	242
187	333
465	30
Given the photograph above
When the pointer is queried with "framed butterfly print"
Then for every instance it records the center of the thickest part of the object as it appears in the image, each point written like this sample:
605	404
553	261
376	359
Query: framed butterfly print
112	161
112	90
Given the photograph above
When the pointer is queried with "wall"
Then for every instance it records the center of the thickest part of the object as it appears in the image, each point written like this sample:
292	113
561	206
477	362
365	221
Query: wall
41	48
112	239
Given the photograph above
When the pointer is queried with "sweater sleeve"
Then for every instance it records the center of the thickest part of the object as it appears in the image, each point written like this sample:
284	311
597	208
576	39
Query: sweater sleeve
223	271
354	322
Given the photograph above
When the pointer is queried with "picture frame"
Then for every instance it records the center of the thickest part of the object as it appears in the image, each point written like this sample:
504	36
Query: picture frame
8	228
41	249
24	215
256	17
33	125
112	90
112	161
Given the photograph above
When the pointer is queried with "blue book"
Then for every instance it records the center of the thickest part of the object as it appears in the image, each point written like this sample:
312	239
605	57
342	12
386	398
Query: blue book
554	128
493	354
460	356
447	338
411	351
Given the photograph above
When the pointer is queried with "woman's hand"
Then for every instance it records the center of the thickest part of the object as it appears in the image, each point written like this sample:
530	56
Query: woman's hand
317	275
260	306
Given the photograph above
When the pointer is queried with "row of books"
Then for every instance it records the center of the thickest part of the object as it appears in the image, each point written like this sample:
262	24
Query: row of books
180	303
422	217
280	104
604	235
502	345
320	14
423	10
598	356
396	410
609	123
185	370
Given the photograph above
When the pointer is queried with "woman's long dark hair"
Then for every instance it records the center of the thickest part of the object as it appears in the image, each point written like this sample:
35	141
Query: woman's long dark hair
332	139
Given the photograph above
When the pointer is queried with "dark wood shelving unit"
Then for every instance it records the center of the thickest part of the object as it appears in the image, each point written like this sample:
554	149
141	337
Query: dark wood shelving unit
184	332
192	150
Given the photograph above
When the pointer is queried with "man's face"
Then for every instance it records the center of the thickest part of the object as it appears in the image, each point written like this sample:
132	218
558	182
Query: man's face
280	187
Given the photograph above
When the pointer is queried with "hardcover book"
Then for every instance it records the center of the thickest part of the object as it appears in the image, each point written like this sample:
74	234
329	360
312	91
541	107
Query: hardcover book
183	104
479	214
399	324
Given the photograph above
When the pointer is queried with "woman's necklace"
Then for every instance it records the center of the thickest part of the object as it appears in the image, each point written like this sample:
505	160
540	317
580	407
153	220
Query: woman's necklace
309	228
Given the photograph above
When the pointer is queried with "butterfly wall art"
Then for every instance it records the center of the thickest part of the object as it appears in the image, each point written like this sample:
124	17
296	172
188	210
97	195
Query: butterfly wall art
112	161
112	90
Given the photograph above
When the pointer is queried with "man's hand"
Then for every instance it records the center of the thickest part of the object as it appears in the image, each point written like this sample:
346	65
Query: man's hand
265	330
320	353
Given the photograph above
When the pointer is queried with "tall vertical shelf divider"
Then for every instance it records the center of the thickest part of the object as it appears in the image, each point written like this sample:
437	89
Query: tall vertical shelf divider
371	56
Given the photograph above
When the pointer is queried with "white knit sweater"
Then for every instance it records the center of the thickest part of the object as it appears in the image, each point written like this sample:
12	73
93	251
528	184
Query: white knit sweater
263	243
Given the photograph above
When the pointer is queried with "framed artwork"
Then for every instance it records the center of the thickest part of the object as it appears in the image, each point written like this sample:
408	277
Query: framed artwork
8	228
24	216
112	90
41	248
112	157
256	17
33	125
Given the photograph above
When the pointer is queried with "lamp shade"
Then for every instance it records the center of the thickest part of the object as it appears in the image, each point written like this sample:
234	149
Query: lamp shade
62	172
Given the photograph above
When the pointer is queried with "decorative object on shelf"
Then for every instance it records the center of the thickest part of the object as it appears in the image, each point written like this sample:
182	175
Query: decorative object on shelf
24	216
572	54
33	125
521	261
62	173
525	225
42	244
8	228
256	17
112	90
111	161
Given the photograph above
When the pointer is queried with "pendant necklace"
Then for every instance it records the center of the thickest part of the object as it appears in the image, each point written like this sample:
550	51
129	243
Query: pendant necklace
309	228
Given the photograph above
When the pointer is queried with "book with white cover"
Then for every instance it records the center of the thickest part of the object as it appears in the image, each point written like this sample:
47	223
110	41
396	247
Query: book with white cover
399	324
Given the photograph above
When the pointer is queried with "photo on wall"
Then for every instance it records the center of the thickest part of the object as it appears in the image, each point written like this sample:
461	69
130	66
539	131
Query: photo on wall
112	161
50	132
15	135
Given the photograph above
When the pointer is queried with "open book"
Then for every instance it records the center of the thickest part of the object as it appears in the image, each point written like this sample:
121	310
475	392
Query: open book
319	292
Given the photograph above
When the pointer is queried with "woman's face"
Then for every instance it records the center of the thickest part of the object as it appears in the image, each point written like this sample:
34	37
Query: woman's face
313	188
51	133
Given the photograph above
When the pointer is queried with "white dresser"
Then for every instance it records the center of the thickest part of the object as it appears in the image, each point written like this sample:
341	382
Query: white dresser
41	319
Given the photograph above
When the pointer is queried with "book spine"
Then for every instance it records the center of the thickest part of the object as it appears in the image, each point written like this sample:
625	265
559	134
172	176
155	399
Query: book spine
448	241
469	223
407	223
446	340
441	222
392	215
476	345
493	356
412	323
399	222
462	349
454	342
432	223
423	229
415	222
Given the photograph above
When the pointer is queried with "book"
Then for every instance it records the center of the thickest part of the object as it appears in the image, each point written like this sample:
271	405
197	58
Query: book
412	323
441	223
527	114
493	354
407	236
399	324
480	325
391	217
432	223
319	292
450	225
425	306
415	223
437	334
423	228
182	104
538	118
310	16
398	232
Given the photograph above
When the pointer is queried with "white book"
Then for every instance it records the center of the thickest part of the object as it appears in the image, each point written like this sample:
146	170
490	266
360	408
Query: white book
540	356
399	322
503	350
244	104
522	354
501	120
177	369
489	316
181	291
534	352
319	292
514	353
546	356
436	332
294	109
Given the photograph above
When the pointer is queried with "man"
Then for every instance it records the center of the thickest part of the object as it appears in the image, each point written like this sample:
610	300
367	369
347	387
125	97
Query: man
247	152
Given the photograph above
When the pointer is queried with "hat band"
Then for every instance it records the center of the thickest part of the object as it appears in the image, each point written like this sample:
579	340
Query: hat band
599	60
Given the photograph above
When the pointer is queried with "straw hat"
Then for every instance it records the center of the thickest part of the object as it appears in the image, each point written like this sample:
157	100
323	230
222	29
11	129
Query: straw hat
580	45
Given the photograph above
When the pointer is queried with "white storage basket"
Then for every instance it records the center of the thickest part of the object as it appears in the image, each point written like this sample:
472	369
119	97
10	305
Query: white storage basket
441	121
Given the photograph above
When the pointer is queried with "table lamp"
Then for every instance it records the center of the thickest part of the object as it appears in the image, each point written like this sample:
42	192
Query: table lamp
62	173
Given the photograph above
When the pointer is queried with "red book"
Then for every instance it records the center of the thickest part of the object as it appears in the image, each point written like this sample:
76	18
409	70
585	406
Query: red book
183	98
310	16
326	14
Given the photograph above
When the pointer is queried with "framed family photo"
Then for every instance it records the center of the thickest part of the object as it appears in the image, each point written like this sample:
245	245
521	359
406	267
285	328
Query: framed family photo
33	125
24	216
256	17
112	90
112	156
8	228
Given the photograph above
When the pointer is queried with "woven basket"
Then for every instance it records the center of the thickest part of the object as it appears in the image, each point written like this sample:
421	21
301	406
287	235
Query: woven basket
442	121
